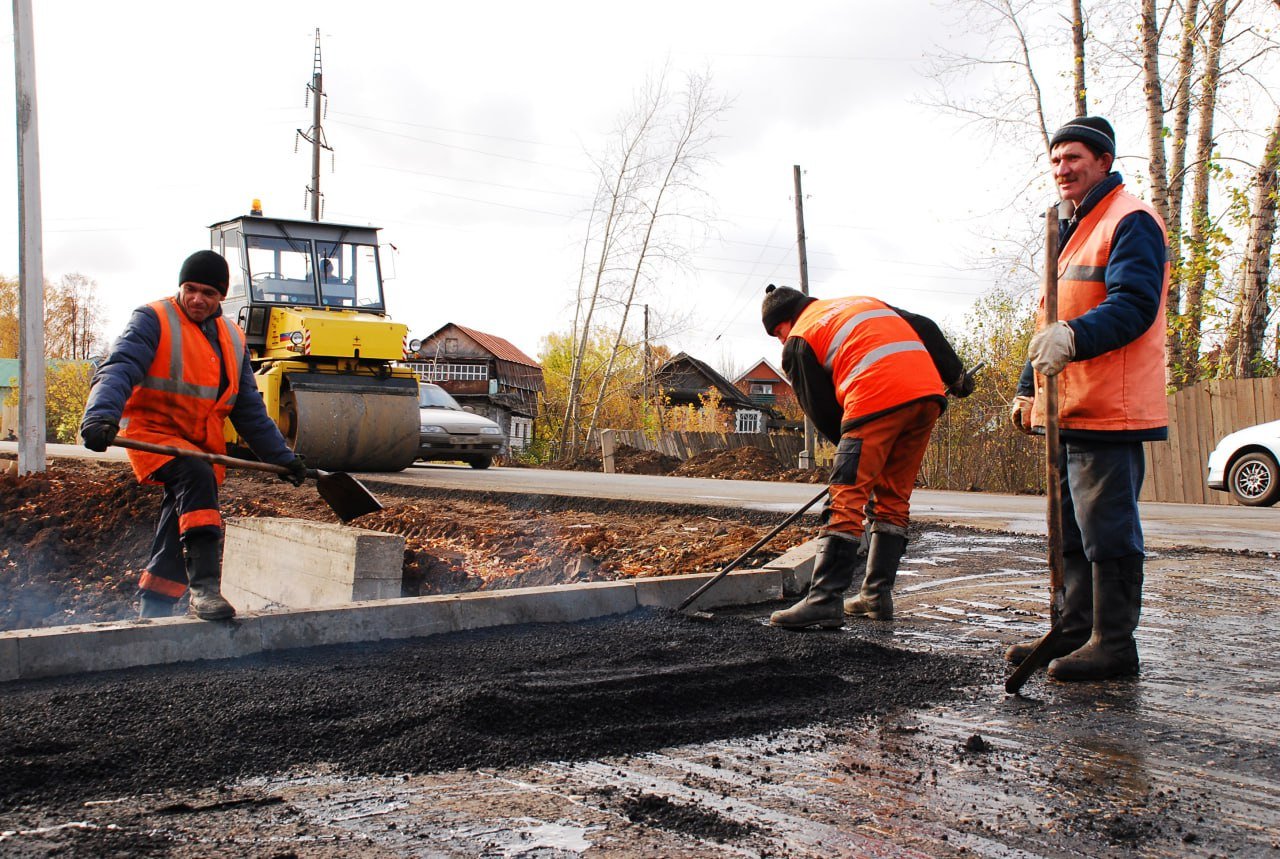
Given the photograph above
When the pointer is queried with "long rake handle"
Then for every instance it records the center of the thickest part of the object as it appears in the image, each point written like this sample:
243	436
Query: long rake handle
217	458
732	565
1053	478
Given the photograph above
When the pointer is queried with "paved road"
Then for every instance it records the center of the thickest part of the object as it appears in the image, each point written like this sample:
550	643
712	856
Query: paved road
1166	525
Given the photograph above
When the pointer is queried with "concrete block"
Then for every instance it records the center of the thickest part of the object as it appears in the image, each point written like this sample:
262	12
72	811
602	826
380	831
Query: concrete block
367	621
742	587
796	565
554	604
8	657
295	563
127	644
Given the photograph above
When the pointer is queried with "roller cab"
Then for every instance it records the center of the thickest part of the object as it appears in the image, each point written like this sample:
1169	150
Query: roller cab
309	297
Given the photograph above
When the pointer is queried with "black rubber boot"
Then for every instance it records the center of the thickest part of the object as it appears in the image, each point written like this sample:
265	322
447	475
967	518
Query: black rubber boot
832	574
204	577
1076	616
1117	604
875	599
154	605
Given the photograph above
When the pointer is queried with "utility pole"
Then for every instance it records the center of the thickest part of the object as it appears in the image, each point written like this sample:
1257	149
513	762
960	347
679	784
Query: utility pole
644	384
315	134
31	422
806	455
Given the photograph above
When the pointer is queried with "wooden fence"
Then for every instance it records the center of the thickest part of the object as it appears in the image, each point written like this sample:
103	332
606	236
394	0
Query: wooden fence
683	445
1199	416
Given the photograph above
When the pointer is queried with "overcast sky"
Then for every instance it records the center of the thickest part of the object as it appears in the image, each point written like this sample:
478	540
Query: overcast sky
462	129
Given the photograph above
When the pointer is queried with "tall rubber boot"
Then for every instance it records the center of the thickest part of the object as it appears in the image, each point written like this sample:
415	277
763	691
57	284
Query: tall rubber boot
1117	604
1076	616
154	605
875	599
832	574
204	578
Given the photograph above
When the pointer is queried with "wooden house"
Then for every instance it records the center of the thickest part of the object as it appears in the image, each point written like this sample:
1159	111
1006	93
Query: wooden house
685	380
766	385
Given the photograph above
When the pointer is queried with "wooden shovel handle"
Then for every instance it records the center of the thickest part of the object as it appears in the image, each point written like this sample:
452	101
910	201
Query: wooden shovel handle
216	458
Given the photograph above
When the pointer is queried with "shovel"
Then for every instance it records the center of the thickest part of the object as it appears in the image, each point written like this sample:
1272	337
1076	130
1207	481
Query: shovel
1053	480
346	495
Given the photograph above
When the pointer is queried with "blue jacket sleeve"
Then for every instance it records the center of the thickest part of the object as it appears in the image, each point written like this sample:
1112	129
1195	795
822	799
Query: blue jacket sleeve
1135	279
249	417
115	379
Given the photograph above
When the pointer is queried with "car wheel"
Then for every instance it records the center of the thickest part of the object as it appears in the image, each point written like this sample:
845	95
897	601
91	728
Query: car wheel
480	461
1255	479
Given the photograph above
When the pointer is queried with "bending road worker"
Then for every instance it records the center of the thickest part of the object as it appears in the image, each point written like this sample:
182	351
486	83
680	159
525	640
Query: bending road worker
1108	349
174	377
870	377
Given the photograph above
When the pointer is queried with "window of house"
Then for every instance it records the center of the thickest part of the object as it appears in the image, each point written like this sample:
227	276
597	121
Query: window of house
761	388
749	421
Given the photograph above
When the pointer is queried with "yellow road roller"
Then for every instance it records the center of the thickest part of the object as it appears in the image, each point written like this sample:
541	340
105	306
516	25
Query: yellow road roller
309	297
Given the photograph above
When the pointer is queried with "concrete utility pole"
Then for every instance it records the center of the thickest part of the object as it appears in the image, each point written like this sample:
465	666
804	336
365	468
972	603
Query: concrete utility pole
31	452
806	455
315	134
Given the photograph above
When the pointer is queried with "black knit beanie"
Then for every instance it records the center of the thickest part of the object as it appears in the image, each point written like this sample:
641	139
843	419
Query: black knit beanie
1093	131
205	267
782	304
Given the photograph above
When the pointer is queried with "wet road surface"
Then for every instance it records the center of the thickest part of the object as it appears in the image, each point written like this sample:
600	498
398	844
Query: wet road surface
914	754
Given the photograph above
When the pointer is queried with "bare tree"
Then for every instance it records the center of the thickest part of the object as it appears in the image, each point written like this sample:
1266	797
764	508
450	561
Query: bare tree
618	172
1077	53
73	318
1243	352
691	137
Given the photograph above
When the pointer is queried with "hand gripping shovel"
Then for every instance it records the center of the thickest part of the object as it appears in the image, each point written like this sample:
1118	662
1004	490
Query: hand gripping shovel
1053	480
346	495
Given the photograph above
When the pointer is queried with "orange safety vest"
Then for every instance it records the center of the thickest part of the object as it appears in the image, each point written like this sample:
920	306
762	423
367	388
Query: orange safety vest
873	355
177	402
1123	389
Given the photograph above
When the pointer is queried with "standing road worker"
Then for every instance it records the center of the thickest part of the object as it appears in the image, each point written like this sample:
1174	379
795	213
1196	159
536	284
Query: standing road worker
1108	351
174	377
871	378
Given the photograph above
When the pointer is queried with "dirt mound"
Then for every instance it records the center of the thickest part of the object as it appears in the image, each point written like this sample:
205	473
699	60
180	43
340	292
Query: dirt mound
626	460
76	537
738	463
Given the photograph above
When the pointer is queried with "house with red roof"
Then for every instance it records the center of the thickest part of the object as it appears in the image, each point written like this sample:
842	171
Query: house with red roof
485	374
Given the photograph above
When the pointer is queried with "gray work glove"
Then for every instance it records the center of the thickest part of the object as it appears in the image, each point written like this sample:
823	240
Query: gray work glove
297	473
1052	348
963	386
99	433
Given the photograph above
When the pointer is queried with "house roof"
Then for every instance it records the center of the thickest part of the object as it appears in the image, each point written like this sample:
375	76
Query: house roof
727	389
501	349
756	366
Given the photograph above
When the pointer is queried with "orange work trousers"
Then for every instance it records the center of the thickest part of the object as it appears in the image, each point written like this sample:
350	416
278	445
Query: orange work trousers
880	457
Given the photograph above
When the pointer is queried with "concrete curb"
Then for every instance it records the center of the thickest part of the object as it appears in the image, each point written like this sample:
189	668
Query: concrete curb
27	654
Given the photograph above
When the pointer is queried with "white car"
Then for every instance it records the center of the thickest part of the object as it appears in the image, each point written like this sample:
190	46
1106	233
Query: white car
1245	464
448	431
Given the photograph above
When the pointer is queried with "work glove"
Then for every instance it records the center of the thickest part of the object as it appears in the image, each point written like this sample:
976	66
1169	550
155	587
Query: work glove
1020	416
99	433
1051	348
963	386
297	473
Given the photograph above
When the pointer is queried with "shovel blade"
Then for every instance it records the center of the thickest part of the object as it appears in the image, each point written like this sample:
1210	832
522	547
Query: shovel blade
347	496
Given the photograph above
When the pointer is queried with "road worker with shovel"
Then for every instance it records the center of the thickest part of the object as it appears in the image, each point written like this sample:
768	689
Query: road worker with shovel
173	378
1108	353
873	379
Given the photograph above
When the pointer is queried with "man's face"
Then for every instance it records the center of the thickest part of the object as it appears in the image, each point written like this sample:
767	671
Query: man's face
199	300
783	331
1076	169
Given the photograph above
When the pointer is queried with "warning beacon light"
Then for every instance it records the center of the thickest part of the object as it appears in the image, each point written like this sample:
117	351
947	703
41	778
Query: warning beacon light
256	208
